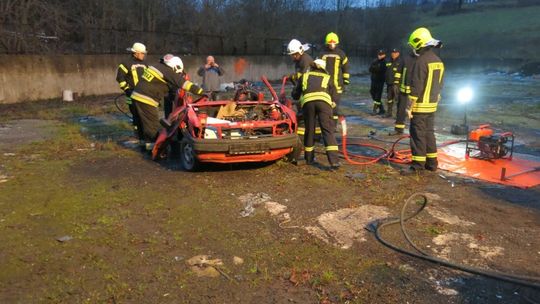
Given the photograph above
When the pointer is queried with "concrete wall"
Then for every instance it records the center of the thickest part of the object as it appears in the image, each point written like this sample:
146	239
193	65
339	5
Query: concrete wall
35	77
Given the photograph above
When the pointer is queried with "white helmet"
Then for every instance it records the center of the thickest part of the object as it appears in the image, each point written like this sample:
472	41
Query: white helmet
137	48
175	63
294	47
319	63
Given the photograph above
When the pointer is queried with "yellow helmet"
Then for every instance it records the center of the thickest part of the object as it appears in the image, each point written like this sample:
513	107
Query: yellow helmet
421	37
331	38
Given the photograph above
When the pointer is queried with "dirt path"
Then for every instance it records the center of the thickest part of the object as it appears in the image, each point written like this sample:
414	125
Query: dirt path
85	219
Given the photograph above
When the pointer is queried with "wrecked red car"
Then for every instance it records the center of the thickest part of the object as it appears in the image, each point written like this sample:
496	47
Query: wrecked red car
249	128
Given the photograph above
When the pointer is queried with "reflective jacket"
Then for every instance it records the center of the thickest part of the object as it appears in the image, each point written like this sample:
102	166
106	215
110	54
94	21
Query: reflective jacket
315	85
426	82
128	74
300	67
337	65
405	70
393	71
157	81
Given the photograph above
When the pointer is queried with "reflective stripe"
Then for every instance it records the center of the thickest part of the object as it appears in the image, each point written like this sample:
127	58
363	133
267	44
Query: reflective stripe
400	126
344	62
323	96
309	149
144	99
388	64
134	74
187	85
335	117
404	88
318	130
332	148
376	102
346	75
419	158
431	155
123	67
424	107
427	105
335	72
124	85
397	75
300	131
150	73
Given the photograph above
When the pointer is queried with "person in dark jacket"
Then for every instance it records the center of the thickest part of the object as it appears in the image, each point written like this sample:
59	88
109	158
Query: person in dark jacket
315	91
302	60
377	70
157	81
426	81
210	74
128	74
337	65
393	76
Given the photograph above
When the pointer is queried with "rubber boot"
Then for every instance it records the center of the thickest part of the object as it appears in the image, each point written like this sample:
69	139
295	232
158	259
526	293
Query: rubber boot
381	109
333	160
309	157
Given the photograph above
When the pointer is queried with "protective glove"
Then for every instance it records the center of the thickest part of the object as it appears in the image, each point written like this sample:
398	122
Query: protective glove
409	113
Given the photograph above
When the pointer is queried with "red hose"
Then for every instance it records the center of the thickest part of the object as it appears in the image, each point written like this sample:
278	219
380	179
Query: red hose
396	156
402	156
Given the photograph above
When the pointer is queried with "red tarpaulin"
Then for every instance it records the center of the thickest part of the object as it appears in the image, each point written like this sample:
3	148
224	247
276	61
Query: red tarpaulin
453	160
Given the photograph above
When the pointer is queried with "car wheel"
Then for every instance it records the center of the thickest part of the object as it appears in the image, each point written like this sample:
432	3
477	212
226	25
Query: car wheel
188	157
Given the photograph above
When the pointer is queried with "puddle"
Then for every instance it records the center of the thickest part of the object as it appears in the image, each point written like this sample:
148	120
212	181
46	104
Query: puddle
25	131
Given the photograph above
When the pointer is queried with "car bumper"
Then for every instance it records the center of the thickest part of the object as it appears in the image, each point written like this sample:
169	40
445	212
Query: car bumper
244	150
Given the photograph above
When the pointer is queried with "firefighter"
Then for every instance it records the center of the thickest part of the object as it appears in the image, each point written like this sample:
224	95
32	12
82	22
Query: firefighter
377	70
128	75
316	91
407	62
302	60
302	63
155	83
170	98
426	80
393	76
337	65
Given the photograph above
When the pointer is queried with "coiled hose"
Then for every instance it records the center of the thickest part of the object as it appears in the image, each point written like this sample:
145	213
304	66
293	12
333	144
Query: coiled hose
376	227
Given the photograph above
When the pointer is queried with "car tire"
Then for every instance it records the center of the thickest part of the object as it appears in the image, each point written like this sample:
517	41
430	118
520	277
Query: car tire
188	157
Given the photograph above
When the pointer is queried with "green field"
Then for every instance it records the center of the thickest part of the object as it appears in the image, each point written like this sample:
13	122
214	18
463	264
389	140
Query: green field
483	31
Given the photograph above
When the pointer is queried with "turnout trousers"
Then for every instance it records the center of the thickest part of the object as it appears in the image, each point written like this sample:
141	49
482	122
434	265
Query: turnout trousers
392	92
376	91
149	121
423	145
135	120
323	113
401	114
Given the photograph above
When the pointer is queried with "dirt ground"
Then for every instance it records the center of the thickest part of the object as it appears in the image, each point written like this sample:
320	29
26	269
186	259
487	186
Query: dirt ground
87	219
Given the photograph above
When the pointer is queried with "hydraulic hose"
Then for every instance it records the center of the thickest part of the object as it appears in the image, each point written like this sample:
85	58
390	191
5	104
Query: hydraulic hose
398	156
392	155
116	100
528	281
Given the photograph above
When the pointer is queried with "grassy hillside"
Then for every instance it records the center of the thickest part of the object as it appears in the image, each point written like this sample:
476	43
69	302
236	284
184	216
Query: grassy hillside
480	31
